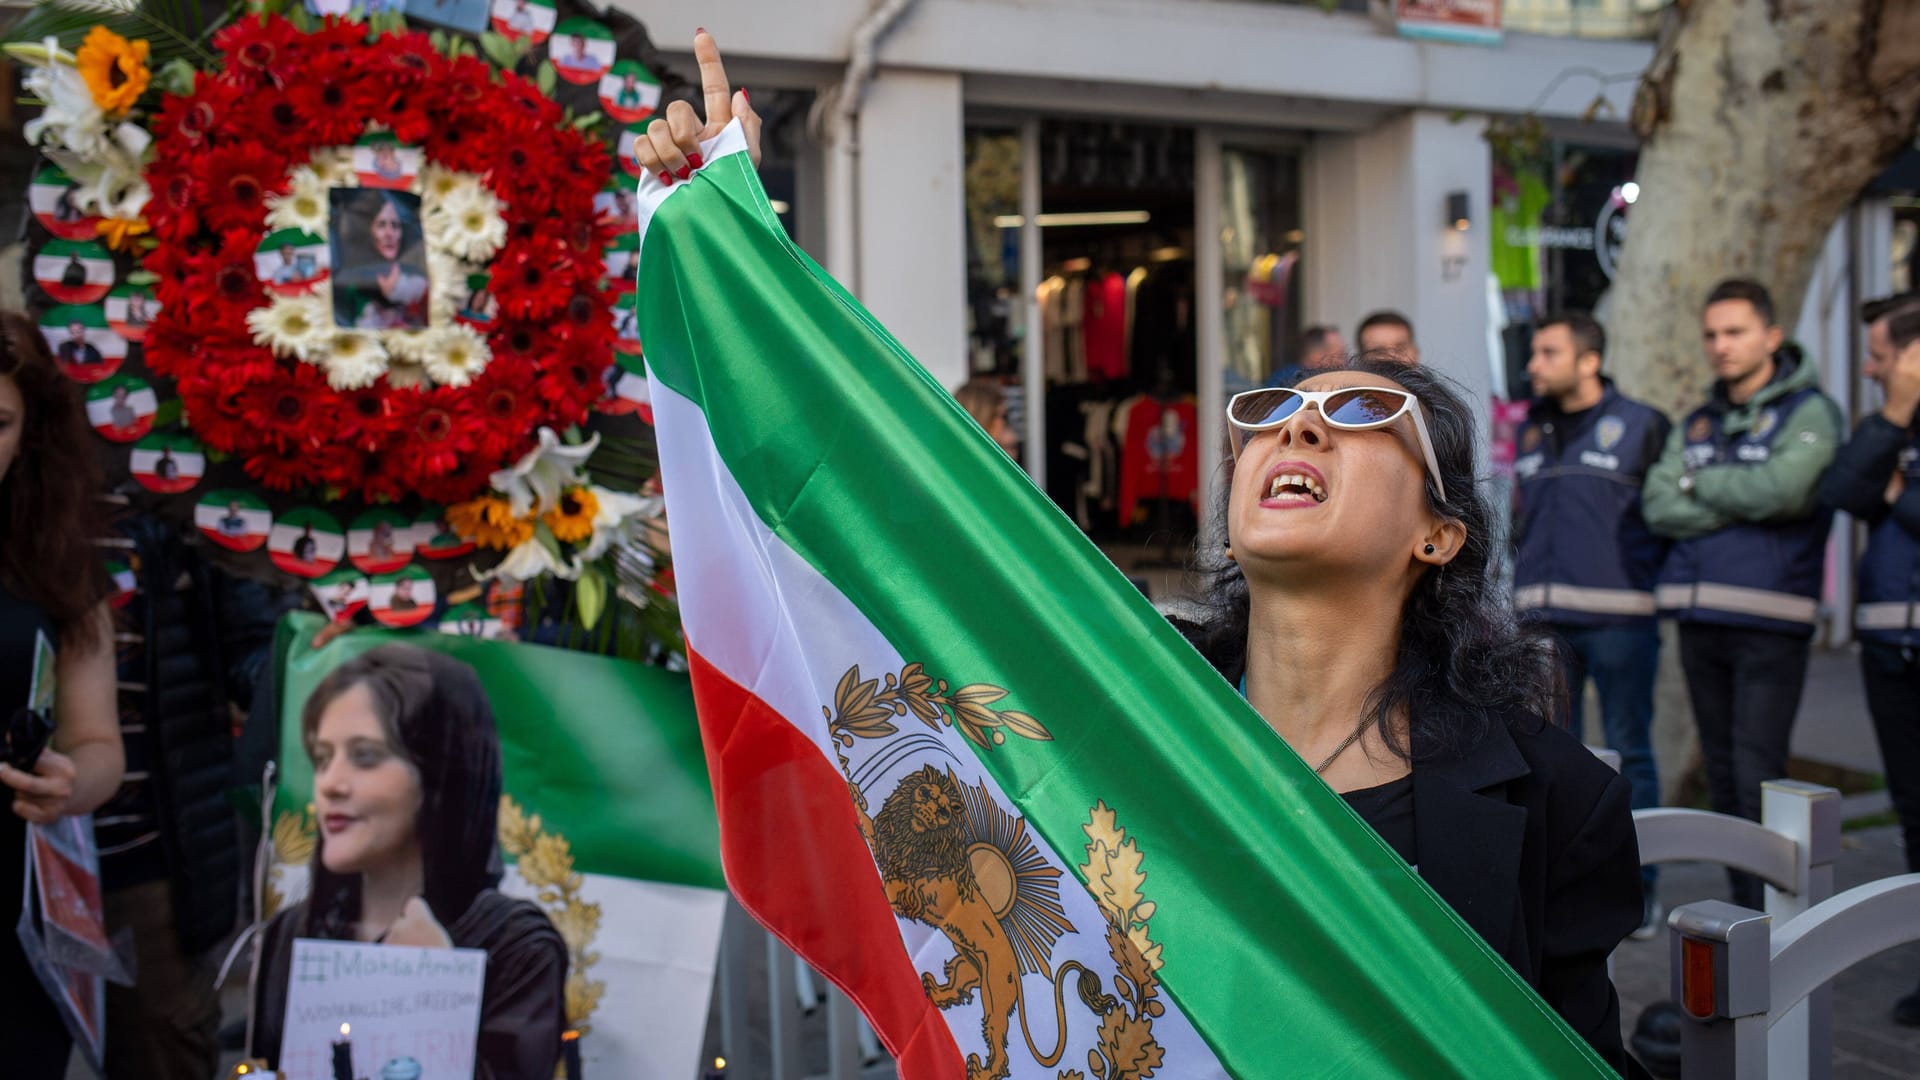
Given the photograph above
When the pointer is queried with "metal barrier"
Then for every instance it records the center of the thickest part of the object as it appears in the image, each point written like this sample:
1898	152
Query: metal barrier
1731	975
1792	848
780	1021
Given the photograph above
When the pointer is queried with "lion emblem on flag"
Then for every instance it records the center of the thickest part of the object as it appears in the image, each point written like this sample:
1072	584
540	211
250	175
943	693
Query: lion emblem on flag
952	858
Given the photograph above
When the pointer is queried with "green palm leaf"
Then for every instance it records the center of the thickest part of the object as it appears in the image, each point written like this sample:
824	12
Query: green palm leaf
173	29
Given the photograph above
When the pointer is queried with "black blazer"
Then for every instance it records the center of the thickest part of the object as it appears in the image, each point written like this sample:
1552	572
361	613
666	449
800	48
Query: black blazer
1530	838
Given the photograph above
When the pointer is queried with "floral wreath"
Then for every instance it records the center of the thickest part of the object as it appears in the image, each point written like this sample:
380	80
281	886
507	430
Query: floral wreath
507	190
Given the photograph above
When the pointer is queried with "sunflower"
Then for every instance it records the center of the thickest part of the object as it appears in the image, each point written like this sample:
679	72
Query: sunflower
457	355
489	522
571	519
115	69
292	326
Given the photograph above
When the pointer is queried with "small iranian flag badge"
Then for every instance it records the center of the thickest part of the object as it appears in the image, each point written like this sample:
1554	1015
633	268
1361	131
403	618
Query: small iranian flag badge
341	594
380	541
168	463
236	520
306	543
402	598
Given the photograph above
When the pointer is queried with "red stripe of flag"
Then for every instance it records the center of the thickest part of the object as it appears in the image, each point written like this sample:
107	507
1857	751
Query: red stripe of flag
791	846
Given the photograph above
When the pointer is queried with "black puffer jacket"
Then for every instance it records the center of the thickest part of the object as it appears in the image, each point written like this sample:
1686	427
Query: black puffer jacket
189	642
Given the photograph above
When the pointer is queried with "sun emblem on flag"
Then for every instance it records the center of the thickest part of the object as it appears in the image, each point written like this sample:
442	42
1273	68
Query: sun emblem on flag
952	858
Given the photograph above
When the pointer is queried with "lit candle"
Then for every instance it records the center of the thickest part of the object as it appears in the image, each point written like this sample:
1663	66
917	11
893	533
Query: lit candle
719	1070
570	1046
343	1055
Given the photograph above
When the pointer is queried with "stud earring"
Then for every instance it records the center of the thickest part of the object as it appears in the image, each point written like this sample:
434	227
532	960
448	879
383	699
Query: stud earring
1229	551
1429	549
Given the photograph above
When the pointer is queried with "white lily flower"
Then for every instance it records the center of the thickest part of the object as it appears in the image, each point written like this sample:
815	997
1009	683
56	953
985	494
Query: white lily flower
528	560
618	517
546	470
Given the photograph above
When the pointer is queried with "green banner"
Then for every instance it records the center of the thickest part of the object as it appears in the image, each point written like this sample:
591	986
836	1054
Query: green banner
606	752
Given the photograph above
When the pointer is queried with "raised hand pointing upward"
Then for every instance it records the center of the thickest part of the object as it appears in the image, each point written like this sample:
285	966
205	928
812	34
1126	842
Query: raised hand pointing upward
670	149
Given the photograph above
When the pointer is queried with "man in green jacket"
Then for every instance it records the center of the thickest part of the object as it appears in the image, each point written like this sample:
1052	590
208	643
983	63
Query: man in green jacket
1737	490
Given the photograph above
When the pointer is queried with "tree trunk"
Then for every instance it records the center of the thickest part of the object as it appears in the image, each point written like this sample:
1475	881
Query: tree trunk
1761	121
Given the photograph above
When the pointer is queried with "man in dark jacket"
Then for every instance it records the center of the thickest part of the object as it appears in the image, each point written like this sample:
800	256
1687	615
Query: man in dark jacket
1585	562
1876	478
170	859
1737	490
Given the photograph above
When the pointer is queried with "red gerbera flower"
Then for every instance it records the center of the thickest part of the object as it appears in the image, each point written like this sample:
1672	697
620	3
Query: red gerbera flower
261	52
533	279
524	108
368	418
282	123
195	118
463	141
407	59
333	106
238	180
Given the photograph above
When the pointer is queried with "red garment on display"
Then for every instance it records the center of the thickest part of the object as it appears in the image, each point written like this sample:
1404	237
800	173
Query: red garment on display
1103	326
1160	458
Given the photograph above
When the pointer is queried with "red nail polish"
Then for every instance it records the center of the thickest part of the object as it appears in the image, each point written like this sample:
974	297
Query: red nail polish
666	177
744	94
698	30
684	172
694	161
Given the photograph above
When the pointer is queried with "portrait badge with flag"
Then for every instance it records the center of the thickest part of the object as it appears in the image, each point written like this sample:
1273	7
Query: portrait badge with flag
961	765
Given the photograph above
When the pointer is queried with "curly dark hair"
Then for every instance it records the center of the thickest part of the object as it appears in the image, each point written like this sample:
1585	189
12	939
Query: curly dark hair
1463	659
50	508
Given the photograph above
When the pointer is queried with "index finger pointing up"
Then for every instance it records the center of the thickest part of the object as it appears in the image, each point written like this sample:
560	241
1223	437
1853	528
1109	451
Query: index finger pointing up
713	83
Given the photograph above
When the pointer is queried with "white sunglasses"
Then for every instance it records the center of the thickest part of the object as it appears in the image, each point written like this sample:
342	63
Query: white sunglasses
1355	408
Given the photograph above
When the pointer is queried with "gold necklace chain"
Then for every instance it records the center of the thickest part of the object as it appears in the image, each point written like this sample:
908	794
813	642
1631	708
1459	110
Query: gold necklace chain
1342	748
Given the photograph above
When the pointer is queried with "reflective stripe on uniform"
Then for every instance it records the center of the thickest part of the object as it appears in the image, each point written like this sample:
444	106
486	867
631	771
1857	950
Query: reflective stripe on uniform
1566	597
1885	616
1738	600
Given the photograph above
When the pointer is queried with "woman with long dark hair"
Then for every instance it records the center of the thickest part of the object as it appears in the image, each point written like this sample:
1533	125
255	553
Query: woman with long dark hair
377	286
1354	603
53	587
406	787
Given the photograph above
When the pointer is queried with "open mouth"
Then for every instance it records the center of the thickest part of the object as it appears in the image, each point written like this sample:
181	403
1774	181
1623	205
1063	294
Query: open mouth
1296	485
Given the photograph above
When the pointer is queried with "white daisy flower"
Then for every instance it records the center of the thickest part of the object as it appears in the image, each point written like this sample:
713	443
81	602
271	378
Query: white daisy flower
438	183
468	226
333	166
354	359
449	277
406	376
303	207
291	326
458	355
408	346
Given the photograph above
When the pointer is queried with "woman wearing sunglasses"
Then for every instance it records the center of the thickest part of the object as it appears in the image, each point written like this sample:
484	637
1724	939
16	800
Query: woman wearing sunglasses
1354	603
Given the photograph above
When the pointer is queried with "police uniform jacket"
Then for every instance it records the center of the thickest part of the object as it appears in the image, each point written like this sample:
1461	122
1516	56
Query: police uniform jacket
1737	489
1889	597
1584	554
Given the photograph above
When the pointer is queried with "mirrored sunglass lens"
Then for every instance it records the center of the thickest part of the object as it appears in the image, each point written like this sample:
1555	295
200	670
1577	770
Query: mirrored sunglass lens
1364	406
1265	407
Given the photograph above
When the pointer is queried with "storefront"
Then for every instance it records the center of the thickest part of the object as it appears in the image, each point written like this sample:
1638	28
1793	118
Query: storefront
1012	182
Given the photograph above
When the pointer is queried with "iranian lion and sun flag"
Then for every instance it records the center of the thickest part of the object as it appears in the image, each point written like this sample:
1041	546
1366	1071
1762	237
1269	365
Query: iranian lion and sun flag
963	768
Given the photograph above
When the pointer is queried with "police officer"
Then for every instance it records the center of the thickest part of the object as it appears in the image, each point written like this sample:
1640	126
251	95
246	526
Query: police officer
1737	489
1586	562
1876	478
